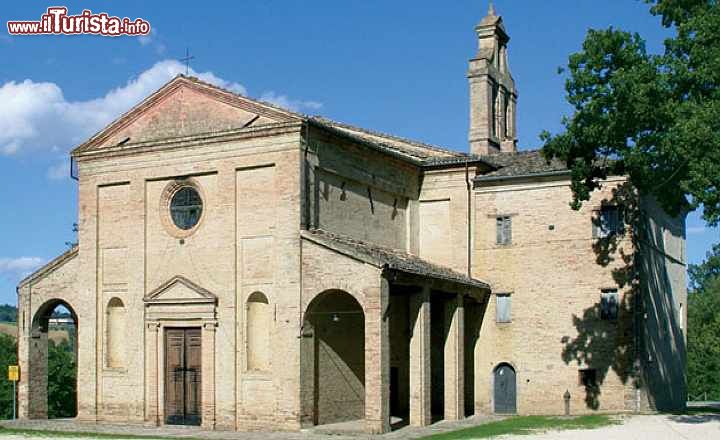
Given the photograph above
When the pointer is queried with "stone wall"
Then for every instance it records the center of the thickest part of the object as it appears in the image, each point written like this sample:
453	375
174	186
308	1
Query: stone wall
38	296
326	270
662	268
555	272
246	242
358	192
442	217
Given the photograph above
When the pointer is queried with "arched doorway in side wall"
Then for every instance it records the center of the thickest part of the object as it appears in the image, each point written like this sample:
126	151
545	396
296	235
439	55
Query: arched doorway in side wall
53	361
334	358
504	389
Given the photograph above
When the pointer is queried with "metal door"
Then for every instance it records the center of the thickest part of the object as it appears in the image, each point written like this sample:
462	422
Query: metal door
182	376
505	395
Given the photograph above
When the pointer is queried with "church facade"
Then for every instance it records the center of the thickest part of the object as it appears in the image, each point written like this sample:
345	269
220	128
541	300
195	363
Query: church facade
244	267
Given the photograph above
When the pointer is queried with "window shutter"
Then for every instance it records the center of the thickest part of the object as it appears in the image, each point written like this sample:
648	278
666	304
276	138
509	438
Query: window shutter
596	224
609	305
499	230
507	230
613	306
502	308
503	230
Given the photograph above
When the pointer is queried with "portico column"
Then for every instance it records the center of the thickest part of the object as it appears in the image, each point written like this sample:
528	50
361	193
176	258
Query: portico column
420	373
377	359
454	358
208	375
152	377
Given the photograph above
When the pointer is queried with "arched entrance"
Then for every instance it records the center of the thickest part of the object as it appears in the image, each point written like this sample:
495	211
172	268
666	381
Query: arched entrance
504	389
334	358
53	361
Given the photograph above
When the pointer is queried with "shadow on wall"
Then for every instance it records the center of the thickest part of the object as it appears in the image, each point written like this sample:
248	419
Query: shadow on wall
643	344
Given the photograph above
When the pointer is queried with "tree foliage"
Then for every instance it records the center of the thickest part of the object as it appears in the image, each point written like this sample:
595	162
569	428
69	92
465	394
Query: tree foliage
8	356
702	274
62	371
8	313
704	327
652	117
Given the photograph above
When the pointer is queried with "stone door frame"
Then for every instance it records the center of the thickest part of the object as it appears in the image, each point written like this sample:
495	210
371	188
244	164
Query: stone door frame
155	369
165	308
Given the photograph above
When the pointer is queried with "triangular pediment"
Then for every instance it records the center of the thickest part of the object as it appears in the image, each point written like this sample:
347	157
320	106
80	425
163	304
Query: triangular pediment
185	107
179	290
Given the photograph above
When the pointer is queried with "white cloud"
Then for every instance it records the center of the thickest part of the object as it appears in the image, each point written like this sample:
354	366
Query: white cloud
291	104
36	116
16	268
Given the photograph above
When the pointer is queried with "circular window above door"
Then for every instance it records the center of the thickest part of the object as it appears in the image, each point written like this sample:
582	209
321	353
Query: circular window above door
182	208
186	207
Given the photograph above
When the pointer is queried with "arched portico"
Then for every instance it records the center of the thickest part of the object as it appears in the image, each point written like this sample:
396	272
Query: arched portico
45	320
334	358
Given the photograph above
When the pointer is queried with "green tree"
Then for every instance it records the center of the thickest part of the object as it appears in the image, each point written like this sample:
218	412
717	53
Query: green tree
704	327
702	274
62	371
8	313
8	356
652	117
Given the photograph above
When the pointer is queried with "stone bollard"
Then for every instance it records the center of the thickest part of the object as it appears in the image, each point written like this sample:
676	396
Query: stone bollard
566	398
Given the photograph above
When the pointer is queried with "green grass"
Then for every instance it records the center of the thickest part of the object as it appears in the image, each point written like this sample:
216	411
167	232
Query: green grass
526	425
74	434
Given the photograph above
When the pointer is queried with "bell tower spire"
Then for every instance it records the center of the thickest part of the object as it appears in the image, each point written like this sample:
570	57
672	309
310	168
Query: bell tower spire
493	96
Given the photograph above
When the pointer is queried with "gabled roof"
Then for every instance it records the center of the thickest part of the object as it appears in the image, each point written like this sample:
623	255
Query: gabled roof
261	109
522	164
414	149
50	267
389	258
418	153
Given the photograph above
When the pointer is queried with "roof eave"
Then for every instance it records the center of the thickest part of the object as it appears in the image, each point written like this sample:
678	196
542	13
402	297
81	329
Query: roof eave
382	148
49	267
488	179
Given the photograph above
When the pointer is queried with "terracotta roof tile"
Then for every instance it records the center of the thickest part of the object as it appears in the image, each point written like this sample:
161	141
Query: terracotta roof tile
392	258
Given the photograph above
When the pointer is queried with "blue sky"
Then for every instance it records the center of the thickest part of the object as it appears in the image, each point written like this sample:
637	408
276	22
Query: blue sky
391	66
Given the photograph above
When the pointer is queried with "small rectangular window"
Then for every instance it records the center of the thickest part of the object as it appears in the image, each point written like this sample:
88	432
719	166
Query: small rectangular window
587	377
502	307
609	222
682	318
609	303
503	229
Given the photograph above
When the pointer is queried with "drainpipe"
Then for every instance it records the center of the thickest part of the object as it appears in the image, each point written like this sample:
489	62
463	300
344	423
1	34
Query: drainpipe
469	219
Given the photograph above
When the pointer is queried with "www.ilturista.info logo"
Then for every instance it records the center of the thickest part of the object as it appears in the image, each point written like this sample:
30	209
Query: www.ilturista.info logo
57	22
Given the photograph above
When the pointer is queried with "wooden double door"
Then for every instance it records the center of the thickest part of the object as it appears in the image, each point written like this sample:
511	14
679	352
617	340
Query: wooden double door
183	376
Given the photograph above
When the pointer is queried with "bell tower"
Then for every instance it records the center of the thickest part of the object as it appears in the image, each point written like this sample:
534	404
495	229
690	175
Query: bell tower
493	96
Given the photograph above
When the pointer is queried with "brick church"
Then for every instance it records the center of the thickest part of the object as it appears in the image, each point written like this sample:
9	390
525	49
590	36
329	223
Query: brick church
244	267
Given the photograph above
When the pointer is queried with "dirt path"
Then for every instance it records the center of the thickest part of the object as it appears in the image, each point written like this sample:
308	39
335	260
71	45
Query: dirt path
661	427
